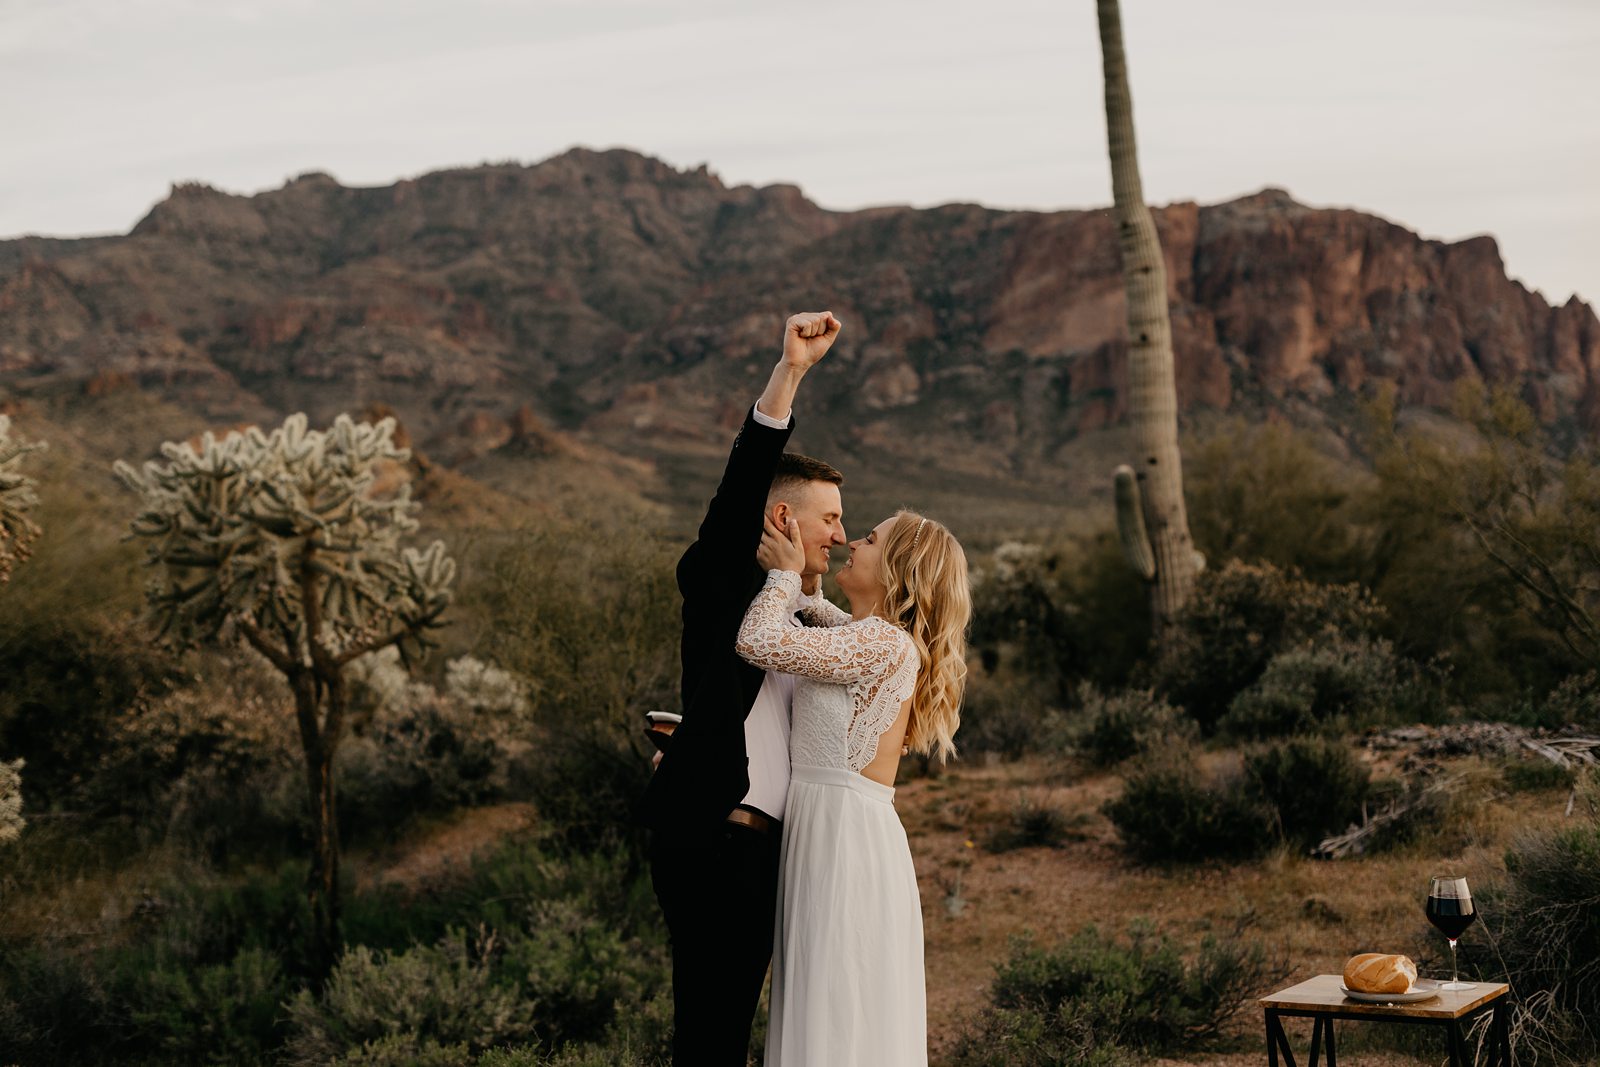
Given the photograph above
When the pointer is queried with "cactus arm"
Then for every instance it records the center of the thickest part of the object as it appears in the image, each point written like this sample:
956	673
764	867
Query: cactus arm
1130	523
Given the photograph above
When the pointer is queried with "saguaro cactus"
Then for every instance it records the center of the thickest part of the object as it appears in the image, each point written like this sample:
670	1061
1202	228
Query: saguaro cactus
1150	511
278	541
17	498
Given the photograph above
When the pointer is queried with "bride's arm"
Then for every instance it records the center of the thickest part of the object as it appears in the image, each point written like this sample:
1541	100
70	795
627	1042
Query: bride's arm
818	610
841	655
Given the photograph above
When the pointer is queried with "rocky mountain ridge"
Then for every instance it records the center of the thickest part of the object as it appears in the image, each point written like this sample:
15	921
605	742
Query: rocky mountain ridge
610	298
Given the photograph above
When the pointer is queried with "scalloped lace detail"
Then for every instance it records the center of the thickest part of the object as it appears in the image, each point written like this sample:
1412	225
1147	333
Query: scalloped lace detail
852	676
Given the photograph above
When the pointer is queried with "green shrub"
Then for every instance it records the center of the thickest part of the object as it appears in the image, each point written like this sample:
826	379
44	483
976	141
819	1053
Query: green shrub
444	993
1061	612
579	971
1171	812
1534	774
212	766
599	634
1542	927
1032	823
1094	992
404	1050
226	1012
65	681
1575	702
1332	687
1116	727
1315	785
1267	492
1238	618
420	750
1004	713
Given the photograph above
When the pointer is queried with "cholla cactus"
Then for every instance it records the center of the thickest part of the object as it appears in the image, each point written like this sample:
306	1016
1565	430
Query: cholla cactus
17	497
279	540
11	821
485	688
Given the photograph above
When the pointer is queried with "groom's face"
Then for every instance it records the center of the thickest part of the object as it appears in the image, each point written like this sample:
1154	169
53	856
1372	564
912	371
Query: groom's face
819	510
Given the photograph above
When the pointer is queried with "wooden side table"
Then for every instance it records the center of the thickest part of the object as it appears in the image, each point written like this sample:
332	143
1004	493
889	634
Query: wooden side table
1319	1000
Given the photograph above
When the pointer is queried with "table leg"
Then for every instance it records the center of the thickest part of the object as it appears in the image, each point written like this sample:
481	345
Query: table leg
1333	1054
1316	1040
1277	1040
1457	1047
1500	1033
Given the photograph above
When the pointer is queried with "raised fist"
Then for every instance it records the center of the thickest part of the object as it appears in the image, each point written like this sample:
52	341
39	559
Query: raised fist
808	336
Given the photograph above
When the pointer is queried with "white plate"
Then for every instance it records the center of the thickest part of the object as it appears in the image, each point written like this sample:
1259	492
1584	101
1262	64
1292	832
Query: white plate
1423	989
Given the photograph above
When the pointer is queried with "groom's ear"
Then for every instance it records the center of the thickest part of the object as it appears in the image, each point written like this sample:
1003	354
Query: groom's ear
779	513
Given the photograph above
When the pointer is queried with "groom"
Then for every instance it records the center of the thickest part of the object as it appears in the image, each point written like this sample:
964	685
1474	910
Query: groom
716	801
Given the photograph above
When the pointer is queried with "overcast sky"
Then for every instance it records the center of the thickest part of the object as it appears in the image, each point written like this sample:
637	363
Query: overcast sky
1452	117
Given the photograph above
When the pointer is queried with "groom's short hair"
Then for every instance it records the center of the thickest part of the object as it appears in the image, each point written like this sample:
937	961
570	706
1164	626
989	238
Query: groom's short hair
795	471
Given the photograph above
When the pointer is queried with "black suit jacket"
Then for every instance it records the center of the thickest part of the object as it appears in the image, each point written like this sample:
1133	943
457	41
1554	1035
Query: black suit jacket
705	771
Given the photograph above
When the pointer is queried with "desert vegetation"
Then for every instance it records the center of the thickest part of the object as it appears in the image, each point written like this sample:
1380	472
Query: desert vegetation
1118	862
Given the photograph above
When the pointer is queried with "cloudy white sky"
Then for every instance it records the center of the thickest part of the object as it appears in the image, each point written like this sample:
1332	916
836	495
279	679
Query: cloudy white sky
1452	117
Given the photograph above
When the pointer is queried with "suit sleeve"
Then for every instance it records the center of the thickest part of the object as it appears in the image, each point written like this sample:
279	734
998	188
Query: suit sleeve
731	530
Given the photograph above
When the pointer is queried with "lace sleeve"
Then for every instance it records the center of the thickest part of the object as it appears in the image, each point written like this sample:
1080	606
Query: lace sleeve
820	611
842	655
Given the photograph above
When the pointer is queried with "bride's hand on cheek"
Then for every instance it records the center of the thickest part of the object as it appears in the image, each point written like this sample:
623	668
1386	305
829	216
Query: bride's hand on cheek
780	550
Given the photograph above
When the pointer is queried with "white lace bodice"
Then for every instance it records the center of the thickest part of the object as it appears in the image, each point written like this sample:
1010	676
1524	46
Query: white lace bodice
851	677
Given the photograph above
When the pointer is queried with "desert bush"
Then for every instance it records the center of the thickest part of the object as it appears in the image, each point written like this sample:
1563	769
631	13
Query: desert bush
1032	823
11	820
1267	493
210	766
1237	620
1315	786
1060	613
1096	992
1006	713
421	750
579	971
225	1012
65	681
1434	812
404	1050
1331	687
1113	727
1172	812
1575	702
443	993
1534	774
1542	933
597	637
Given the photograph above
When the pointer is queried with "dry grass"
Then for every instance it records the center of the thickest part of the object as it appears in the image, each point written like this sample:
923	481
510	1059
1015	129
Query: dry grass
1313	915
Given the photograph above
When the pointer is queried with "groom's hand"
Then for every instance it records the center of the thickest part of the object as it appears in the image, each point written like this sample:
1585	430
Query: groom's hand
807	338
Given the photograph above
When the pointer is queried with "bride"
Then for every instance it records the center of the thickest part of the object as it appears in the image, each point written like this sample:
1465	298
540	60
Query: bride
847	974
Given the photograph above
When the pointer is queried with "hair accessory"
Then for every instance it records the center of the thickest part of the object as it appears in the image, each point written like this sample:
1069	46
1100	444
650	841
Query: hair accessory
918	535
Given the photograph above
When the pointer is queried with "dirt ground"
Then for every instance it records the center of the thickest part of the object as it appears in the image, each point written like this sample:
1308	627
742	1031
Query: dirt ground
1311	915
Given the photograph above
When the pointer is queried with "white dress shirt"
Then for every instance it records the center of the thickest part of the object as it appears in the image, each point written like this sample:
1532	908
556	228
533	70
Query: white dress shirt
766	728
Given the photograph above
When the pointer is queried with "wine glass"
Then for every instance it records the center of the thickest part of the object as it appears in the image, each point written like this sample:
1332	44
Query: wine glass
1450	910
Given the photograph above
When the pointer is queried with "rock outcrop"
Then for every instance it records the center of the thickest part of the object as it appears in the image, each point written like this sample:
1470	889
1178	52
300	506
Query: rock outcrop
609	294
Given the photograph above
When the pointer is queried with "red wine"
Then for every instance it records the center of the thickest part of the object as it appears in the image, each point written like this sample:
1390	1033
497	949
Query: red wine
1451	915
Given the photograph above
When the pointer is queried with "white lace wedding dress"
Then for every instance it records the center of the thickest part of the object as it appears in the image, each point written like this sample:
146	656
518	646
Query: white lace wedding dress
848	987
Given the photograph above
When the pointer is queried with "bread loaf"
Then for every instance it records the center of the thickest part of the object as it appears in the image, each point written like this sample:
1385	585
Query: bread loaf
1378	972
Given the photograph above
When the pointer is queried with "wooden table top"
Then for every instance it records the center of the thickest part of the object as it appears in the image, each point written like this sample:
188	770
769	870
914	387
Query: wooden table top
1322	994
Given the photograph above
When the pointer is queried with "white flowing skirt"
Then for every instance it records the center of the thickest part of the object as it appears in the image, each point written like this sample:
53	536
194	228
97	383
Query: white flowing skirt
848	986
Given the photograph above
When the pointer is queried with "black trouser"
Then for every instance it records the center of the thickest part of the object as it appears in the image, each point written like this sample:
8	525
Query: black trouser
720	901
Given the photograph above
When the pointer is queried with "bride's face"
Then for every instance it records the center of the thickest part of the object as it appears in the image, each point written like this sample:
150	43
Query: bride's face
862	573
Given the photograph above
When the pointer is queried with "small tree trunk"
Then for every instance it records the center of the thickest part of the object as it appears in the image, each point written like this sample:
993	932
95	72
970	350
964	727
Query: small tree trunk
1152	390
322	884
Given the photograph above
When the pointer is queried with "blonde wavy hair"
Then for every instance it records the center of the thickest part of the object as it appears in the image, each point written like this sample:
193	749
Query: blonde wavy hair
928	597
